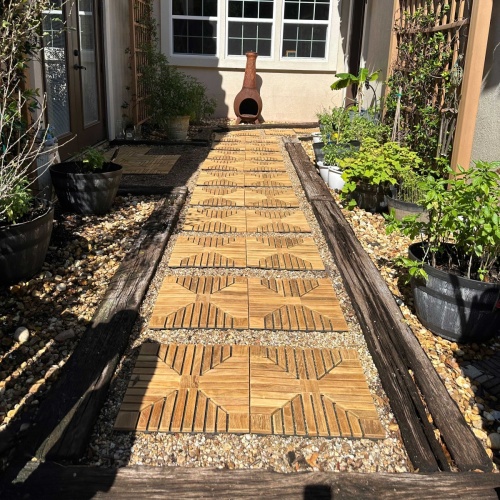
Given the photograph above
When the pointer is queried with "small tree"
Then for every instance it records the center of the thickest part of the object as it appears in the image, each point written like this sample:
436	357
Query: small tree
20	41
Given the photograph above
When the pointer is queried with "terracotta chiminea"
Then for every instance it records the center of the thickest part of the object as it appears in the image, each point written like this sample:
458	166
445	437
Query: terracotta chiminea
247	103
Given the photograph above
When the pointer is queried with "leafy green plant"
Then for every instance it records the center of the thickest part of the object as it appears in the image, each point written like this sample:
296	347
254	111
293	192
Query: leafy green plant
93	159
411	186
376	164
22	132
362	81
463	210
335	152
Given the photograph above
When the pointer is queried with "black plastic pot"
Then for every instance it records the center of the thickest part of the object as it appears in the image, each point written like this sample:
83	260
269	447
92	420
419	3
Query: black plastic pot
453	307
23	247
319	154
85	193
371	197
403	209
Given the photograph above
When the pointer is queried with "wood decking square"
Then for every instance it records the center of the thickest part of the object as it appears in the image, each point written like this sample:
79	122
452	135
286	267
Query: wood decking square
271	198
209	251
220	178
218	196
294	304
277	221
285	252
215	221
226	166
241	389
201	302
136	160
261	165
267	179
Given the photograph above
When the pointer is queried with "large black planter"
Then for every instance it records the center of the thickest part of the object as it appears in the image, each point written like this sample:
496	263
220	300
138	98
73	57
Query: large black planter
85	193
370	197
23	247
453	307
402	209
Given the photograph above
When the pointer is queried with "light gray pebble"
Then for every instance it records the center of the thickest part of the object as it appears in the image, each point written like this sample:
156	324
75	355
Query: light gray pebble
22	334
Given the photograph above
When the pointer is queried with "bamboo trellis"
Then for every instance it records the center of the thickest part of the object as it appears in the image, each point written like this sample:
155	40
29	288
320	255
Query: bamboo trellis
140	36
451	18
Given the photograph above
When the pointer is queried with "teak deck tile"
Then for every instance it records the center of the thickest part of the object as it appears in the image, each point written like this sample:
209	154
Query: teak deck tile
231	156
301	131
286	252
277	221
241	389
201	302
229	146
227	166
261	165
280	131
271	198
218	196
294	304
215	221
135	160
267	179
209	251
221	178
263	156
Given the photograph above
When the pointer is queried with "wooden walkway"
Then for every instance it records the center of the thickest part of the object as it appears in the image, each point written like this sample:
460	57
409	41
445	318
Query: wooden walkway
244	213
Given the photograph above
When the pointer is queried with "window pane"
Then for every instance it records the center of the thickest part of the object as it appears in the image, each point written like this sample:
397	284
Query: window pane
264	47
300	37
235	30
194	28
235	9
247	36
195	45
291	10
179	8
209	46
319	33
249	46
265	30
318	49
307	11
251	10
210	8
234	47
195	37
180	44
321	13
266	10
289	47
195	7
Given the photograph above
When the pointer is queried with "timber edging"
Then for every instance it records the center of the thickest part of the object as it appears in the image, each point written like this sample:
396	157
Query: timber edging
64	421
53	481
392	344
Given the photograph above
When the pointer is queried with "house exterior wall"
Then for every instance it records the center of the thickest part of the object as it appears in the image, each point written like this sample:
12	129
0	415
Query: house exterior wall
291	89
486	145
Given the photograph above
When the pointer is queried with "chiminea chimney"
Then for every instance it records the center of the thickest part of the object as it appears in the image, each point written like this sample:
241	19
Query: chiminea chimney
247	103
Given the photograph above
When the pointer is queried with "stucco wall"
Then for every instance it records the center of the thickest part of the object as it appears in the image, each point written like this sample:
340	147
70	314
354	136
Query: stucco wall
377	39
487	134
286	97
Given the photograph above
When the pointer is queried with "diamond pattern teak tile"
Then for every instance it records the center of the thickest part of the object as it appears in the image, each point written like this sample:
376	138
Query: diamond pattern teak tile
218	196
284	252
262	156
241	389
295	304
226	166
264	166
208	251
231	156
271	198
135	160
229	146
215	221
267	179
220	178
277	221
201	302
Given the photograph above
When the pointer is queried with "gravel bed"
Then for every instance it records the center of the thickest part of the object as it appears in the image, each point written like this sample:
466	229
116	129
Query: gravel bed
42	320
280	453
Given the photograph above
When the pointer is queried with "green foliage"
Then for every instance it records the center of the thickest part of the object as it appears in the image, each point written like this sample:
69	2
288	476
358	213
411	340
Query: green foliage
362	81
17	203
341	126
93	159
424	83
463	210
335	152
377	164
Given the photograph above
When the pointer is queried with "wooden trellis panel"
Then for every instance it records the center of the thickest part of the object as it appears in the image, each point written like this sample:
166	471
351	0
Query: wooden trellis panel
140	13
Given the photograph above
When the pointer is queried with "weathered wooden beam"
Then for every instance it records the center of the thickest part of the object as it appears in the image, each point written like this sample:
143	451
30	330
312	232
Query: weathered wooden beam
384	326
62	427
477	44
53	481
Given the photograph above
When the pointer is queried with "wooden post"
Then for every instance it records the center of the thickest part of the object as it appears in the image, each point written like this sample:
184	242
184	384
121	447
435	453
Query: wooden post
471	85
393	48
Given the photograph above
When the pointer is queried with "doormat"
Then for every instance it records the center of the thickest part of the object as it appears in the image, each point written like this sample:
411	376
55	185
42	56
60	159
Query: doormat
241	389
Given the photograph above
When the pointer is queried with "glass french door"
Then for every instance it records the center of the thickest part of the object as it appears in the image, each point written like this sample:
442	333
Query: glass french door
73	74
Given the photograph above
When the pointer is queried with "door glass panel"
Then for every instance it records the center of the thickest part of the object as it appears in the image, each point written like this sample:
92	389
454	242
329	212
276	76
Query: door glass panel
56	70
88	59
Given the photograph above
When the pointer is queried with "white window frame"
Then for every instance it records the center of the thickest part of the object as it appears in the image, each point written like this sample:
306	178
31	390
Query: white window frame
274	62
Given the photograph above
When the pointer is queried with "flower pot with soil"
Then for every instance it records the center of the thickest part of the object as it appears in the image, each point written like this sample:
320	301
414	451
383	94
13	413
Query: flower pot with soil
24	242
87	185
405	200
455	268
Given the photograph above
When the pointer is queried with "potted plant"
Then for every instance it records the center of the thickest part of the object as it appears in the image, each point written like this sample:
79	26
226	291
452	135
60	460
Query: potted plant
88	184
455	268
373	172
174	98
406	198
25	221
